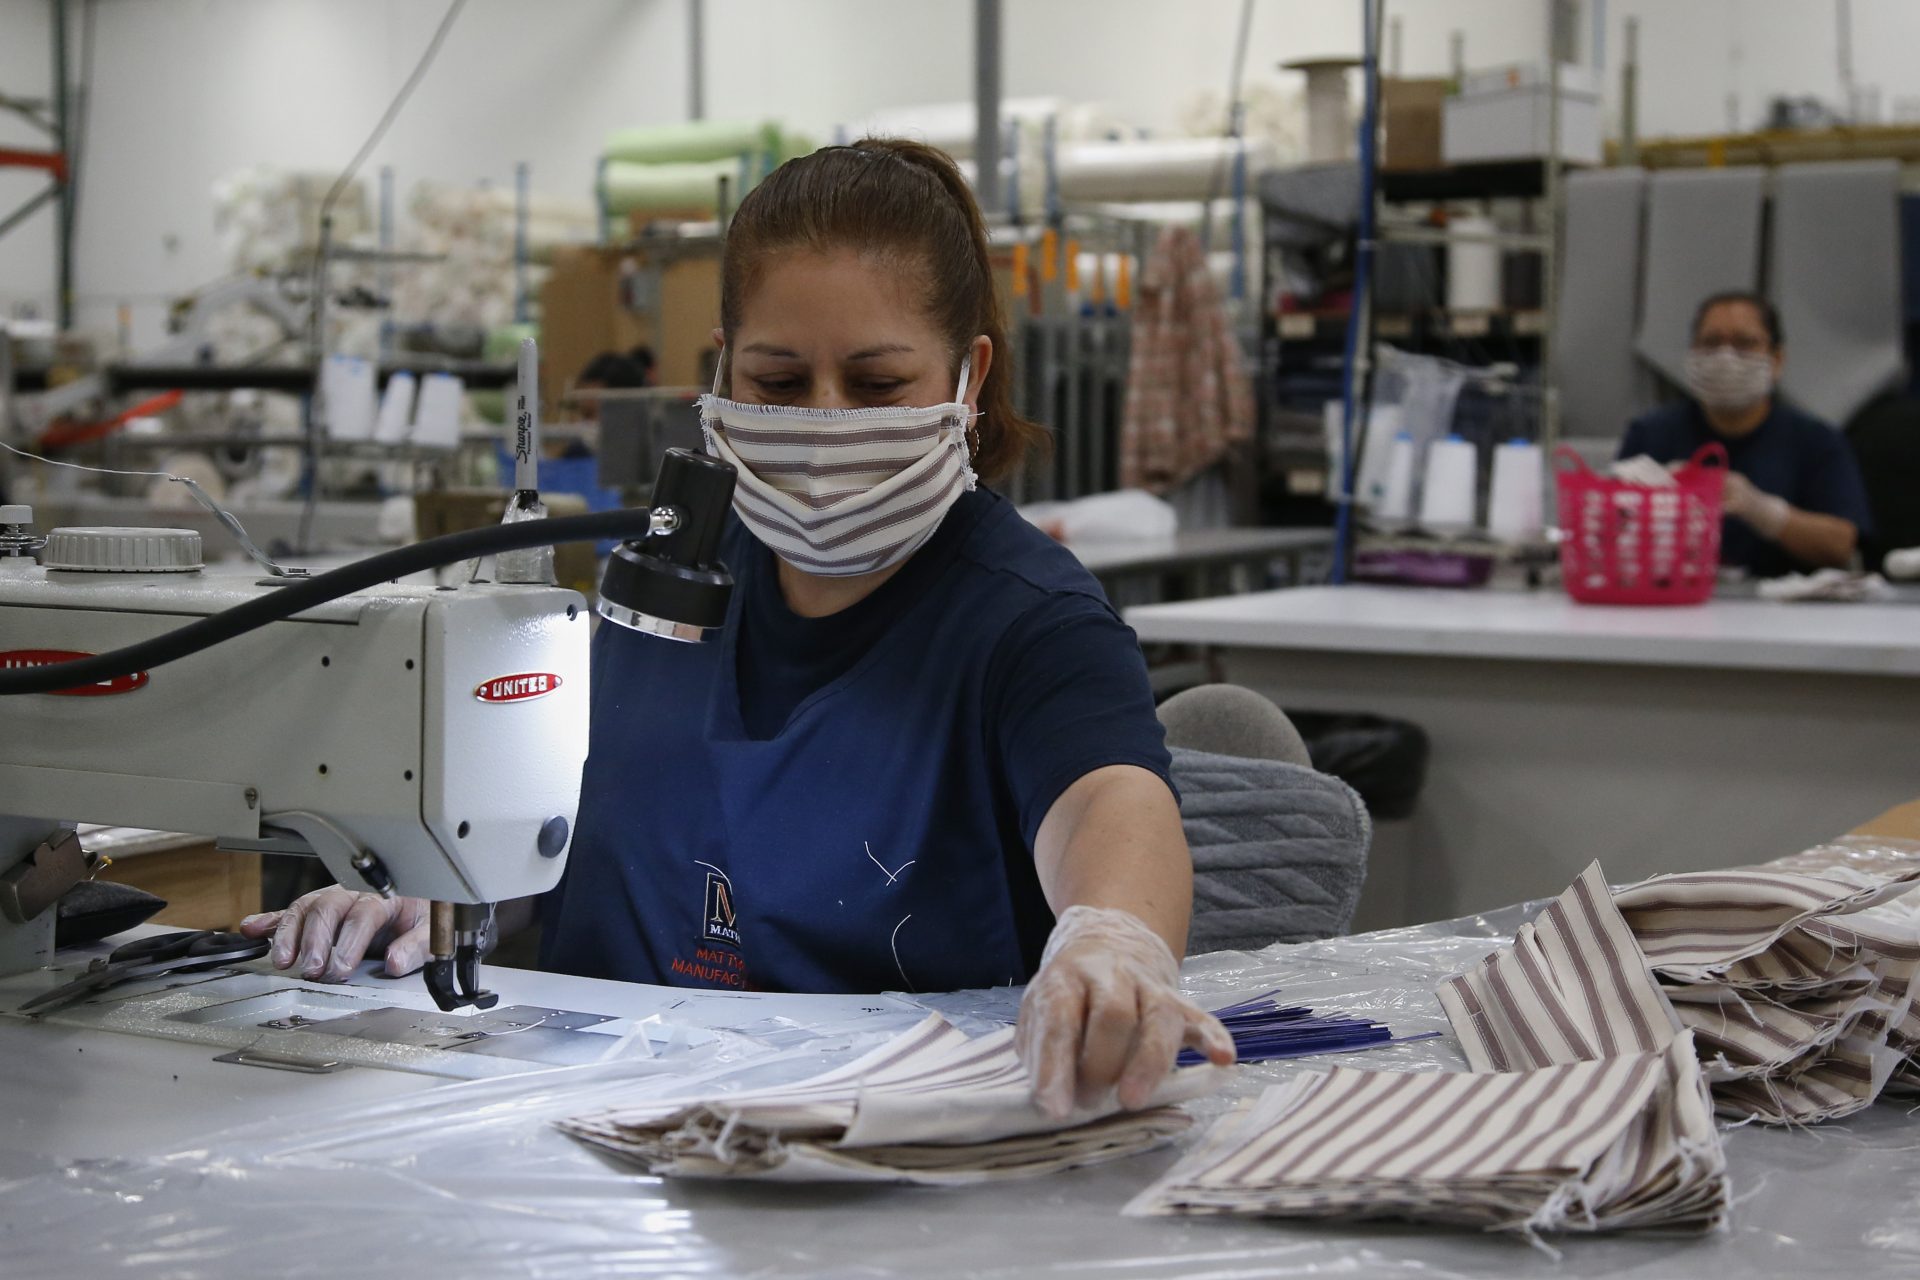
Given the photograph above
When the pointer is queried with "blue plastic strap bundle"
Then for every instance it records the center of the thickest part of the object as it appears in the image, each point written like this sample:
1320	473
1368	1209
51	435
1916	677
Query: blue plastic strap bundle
1264	1030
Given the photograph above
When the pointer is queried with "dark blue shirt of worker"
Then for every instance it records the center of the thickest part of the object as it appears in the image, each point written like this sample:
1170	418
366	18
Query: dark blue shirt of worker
849	803
1794	499
1791	454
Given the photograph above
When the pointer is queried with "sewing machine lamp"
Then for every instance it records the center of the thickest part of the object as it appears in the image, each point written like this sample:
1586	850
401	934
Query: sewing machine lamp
671	583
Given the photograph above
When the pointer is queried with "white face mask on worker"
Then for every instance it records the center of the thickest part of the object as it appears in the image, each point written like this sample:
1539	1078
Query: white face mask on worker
1724	379
840	492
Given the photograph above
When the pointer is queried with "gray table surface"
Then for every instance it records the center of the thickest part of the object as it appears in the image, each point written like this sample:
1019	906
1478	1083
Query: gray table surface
127	1156
1196	547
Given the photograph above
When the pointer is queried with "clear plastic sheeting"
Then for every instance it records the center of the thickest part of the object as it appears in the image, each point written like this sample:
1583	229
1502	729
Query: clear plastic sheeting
472	1179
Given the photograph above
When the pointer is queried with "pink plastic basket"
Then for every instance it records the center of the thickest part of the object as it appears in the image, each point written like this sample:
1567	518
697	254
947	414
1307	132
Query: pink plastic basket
1626	543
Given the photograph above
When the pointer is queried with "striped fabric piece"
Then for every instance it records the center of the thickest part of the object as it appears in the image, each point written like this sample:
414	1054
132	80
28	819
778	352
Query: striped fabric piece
1700	922
841	491
1573	986
1585	1110
1798	982
1602	1144
931	1106
1891	929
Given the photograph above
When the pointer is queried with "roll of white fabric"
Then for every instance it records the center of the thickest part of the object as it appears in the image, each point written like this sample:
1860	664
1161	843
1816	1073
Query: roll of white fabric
1446	499
1161	169
951	126
1473	267
1519	487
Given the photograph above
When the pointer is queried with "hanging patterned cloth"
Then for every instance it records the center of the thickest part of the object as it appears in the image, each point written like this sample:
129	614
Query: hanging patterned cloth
1189	397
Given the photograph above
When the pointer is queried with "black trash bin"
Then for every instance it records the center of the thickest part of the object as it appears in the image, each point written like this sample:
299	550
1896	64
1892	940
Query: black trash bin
1385	760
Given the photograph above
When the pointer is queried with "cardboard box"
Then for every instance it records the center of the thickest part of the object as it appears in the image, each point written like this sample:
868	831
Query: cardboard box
444	511
598	300
1410	114
204	887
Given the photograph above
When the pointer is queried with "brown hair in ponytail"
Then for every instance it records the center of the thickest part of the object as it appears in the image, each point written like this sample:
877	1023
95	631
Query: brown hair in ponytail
892	196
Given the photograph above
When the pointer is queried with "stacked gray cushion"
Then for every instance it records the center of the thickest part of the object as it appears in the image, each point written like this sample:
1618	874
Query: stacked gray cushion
1279	851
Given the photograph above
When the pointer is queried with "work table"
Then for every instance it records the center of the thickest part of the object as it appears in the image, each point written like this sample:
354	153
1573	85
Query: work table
136	1157
1652	739
1875	639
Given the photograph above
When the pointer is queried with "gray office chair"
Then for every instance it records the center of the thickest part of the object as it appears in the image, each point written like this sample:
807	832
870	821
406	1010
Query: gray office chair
1279	850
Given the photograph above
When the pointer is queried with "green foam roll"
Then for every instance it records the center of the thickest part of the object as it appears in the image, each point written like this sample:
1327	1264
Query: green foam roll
693	141
694	185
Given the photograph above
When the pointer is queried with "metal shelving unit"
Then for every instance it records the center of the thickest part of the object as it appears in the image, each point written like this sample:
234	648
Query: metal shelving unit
52	116
1339	347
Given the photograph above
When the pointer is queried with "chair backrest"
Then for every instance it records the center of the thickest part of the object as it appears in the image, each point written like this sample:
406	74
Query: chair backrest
1232	720
1885	437
1279	851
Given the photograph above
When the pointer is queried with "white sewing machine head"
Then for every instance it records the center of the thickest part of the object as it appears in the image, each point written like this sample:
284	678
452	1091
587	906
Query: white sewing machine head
422	740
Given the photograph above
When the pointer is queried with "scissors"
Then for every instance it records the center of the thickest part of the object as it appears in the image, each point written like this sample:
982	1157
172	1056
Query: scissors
185	952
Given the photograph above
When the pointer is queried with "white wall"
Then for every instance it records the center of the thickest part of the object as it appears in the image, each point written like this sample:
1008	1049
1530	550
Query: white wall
190	90
1707	66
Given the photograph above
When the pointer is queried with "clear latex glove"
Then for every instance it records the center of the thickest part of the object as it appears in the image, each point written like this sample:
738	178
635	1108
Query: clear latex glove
1105	1011
1764	512
329	931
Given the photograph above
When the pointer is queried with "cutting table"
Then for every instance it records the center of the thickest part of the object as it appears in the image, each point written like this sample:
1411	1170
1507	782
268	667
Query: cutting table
133	1156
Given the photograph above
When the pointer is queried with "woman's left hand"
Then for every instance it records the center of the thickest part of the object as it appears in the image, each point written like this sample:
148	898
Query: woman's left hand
1105	1010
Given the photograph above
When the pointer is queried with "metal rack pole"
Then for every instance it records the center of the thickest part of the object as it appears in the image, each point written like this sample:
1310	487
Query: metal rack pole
1359	321
522	209
696	60
385	272
62	143
986	103
1550	252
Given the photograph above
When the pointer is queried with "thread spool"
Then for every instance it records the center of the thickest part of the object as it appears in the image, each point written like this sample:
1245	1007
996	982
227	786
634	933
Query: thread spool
436	422
1519	485
1330	131
396	410
1396	491
346	389
1473	266
1446	497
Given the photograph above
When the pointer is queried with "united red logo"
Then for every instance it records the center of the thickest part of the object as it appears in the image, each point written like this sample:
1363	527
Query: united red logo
519	688
19	659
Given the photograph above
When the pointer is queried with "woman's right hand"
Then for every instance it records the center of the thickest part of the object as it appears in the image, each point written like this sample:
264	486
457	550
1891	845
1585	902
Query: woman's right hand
329	931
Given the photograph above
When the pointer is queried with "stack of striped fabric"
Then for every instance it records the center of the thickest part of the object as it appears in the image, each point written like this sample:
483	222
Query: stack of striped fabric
931	1106
1585	1109
1800	986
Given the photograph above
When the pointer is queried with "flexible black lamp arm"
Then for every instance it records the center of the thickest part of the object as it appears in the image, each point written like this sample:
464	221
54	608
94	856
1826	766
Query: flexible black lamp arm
690	504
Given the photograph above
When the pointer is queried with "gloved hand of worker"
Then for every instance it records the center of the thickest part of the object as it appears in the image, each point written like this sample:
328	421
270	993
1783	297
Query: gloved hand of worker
329	931
1105	1010
1764	512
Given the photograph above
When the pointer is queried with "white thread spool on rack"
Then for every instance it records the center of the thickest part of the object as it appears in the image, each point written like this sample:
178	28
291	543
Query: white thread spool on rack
1446	498
1396	493
1518	494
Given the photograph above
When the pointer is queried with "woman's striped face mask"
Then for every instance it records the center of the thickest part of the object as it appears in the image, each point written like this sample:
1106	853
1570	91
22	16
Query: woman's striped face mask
839	492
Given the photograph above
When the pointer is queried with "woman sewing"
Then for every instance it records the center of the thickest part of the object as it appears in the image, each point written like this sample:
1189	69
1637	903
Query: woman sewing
923	754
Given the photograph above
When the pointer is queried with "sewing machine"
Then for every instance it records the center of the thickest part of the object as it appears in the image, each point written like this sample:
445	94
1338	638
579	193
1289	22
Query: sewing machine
422	741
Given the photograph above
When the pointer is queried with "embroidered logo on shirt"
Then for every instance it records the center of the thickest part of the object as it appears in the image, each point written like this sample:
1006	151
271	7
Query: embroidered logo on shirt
719	925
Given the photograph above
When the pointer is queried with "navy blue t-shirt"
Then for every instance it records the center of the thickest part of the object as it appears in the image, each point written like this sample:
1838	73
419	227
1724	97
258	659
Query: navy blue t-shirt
1790	454
849	803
